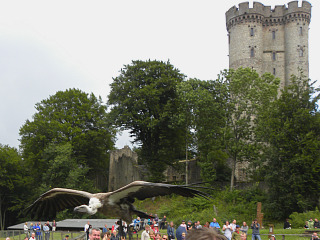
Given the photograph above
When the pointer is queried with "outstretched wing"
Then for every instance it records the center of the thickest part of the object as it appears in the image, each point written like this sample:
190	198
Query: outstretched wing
55	200
142	190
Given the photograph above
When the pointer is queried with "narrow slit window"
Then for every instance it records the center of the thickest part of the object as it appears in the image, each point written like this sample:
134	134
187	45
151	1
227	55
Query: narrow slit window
300	31
301	52
252	52
274	71
251	32
274	56
273	34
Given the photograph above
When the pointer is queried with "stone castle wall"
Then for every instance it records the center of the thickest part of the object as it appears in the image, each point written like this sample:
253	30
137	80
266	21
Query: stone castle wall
123	168
270	40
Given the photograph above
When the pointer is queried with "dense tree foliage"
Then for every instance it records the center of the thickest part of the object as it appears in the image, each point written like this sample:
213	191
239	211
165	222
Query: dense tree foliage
68	117
143	99
291	130
14	185
202	112
248	95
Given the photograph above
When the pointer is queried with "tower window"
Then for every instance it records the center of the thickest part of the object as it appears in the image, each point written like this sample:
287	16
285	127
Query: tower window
300	31
251	32
300	52
274	71
274	56
273	34
252	52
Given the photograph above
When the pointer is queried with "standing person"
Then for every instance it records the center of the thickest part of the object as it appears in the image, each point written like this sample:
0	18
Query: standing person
233	225
198	225
145	233
37	229
54	226
214	224
26	229
227	228
88	231
189	225
86	226
40	230
105	229
170	231
183	224
163	222
94	233
244	228
255	226
46	231
50	227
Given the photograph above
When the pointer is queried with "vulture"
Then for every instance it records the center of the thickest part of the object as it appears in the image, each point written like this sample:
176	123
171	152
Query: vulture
117	204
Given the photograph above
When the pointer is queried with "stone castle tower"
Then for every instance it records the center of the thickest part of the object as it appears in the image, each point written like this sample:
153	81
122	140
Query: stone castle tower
270	40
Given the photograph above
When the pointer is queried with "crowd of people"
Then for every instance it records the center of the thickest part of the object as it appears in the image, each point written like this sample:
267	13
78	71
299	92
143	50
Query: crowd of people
151	230
37	231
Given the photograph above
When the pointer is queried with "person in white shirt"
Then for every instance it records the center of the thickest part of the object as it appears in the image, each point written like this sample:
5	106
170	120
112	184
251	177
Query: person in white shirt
145	233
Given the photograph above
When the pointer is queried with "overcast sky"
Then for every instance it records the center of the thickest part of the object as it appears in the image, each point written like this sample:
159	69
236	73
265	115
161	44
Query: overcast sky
48	46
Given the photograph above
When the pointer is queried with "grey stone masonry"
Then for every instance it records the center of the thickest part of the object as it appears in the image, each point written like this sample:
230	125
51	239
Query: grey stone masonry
270	40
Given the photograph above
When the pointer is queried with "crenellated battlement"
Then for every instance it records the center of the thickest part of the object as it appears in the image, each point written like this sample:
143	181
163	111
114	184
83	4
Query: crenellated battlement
262	13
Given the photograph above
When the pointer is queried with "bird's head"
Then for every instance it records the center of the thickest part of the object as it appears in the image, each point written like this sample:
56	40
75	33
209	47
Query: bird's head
85	209
94	204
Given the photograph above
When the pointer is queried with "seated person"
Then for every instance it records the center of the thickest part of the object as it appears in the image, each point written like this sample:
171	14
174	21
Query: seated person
306	226
287	225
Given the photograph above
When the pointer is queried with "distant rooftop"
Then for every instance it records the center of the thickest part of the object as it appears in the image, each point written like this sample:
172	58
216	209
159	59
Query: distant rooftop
72	224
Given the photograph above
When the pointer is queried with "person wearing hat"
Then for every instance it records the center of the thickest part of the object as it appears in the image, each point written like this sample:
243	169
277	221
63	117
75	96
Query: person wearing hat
66	237
236	234
273	237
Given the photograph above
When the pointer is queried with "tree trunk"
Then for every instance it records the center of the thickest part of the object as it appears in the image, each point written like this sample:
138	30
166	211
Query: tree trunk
233	171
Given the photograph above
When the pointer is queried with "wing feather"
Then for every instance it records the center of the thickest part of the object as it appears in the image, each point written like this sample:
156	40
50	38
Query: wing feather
142	190
55	200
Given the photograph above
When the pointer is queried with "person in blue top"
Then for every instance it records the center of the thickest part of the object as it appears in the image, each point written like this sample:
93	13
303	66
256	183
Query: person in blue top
214	224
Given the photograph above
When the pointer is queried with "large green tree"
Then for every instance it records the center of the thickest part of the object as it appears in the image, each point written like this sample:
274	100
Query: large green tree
202	112
73	117
14	185
291	130
143	100
247	95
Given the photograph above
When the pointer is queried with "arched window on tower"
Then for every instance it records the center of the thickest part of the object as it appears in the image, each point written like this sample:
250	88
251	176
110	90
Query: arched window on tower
251	32
300	31
274	56
252	52
273	34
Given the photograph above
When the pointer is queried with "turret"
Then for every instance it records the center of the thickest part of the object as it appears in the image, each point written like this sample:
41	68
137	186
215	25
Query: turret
269	40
